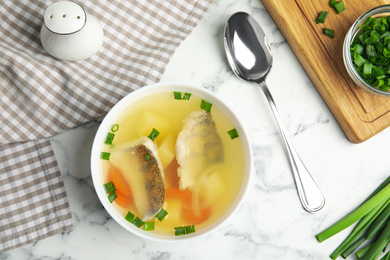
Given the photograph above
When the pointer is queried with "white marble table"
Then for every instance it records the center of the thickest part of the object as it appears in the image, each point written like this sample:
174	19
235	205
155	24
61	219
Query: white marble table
270	224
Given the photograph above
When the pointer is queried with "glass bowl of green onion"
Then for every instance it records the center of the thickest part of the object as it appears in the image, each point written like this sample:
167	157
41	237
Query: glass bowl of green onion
366	51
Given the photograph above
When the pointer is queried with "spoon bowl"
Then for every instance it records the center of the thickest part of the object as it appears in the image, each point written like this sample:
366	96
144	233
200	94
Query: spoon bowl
249	54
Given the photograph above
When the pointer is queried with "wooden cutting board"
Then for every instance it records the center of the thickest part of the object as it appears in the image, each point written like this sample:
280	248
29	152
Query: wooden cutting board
361	115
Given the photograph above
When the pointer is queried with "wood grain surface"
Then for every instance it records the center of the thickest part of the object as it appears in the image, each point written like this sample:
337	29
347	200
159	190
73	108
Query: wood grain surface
361	115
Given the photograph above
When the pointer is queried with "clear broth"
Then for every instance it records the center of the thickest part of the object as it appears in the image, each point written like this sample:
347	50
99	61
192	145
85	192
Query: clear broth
166	114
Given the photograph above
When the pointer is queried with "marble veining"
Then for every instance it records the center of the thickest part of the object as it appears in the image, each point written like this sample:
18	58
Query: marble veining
270	224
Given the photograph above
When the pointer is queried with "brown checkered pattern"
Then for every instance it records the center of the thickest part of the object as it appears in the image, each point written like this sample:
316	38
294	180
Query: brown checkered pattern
42	96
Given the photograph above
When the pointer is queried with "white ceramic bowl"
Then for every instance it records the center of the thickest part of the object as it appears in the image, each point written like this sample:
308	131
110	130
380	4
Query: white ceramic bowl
123	105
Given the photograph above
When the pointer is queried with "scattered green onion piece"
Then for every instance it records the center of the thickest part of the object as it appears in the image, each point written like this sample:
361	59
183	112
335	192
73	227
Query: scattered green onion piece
329	32
109	139
190	229
109	187
162	214
186	96
233	133
112	196
153	135
339	7
147	157
149	225
322	17
206	105
115	128
332	2
130	217
177	95
180	231
138	222
370	51
105	156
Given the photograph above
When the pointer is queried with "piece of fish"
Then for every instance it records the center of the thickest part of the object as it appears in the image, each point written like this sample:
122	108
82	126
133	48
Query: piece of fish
141	167
198	146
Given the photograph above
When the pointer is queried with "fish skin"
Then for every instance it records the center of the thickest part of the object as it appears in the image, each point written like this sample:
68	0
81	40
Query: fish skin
146	178
198	146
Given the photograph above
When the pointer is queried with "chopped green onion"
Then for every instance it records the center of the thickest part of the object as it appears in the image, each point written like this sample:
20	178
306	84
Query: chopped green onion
109	139
233	133
112	196
206	105
186	96
147	157
149	225
105	156
190	229
109	187
339	7
357	49
162	214
177	95
322	17
332	2
180	231
130	217
329	32
138	222
153	134
115	128
367	69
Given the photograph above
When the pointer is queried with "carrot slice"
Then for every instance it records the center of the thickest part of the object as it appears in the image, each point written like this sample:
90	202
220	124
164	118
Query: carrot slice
171	177
188	213
122	200
120	182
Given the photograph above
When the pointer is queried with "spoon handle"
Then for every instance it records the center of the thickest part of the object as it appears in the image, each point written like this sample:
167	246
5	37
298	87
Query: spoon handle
310	195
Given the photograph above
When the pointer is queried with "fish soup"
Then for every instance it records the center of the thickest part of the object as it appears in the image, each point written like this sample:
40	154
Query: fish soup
173	163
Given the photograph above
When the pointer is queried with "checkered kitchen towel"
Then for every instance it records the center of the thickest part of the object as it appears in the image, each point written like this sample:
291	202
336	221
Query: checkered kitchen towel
42	96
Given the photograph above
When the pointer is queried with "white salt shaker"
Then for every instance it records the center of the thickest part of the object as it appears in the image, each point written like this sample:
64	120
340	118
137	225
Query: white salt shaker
69	33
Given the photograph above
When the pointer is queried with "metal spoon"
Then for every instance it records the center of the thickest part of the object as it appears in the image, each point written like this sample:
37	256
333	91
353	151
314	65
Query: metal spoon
249	54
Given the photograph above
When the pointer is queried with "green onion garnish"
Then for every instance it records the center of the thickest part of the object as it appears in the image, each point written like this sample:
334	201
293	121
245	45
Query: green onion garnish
147	157
130	217
206	105
233	133
332	2
186	96
109	187
105	156
162	214
180	231
112	196
153	134
149	225
321	17
109	139
190	229
329	32
115	128
138	222
177	95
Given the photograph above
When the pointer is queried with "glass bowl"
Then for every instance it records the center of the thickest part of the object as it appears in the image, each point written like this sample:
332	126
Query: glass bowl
379	11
